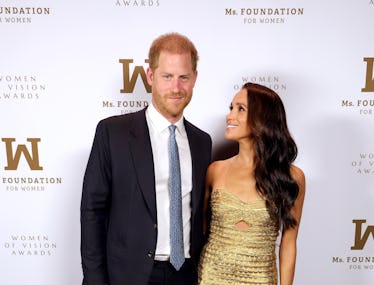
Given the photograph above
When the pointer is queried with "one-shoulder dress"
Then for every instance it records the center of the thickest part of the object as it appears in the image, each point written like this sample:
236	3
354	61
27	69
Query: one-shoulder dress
234	256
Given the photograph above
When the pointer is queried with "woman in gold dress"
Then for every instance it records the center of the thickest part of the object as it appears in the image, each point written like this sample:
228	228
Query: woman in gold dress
253	196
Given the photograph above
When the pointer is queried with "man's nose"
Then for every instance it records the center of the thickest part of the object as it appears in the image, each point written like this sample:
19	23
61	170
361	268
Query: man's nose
175	85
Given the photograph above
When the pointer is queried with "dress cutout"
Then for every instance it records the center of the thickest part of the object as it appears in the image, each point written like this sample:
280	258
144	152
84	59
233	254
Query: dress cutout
239	257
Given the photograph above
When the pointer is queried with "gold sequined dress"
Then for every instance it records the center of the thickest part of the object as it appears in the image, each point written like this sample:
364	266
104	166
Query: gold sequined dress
239	257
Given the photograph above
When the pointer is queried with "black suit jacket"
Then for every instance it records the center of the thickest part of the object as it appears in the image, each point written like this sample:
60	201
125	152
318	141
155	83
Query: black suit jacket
118	207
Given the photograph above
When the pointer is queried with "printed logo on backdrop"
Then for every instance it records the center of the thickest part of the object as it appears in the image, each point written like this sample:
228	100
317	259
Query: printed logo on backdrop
253	14
369	82
360	256
21	87
21	168
23	245
364	104
364	164
134	92
273	82
22	14
137	3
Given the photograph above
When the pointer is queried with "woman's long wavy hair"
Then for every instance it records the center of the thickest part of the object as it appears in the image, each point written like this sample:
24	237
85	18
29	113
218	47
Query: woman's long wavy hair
275	150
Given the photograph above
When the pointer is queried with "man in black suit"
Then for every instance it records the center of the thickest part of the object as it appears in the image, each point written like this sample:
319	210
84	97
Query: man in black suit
125	203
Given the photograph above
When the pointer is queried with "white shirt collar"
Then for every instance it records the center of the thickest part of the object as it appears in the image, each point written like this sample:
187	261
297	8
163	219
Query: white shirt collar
160	123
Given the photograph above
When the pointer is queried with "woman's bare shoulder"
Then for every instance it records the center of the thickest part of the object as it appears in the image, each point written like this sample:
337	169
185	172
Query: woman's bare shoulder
218	165
217	168
298	174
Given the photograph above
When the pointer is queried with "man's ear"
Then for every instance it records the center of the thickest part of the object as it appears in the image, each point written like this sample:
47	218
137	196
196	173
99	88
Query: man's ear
149	76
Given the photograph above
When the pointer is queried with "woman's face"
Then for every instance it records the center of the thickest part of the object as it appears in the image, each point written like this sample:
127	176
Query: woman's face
237	127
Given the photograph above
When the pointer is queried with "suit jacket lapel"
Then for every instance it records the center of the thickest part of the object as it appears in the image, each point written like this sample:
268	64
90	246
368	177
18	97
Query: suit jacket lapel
142	156
194	148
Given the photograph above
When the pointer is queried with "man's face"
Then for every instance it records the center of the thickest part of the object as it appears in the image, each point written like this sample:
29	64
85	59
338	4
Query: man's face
172	84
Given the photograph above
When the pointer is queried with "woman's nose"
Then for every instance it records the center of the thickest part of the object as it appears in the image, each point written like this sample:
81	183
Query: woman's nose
230	115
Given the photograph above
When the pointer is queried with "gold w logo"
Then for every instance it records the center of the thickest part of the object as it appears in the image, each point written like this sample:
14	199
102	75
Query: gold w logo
129	80
14	158
369	85
361	239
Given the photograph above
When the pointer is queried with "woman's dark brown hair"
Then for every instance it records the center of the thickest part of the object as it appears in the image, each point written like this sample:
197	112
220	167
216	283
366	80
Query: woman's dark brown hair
275	150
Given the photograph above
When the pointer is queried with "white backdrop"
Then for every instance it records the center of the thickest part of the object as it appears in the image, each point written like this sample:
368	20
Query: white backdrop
60	73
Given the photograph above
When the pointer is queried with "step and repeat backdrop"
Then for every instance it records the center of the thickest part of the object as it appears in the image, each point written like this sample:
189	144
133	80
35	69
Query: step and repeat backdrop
64	65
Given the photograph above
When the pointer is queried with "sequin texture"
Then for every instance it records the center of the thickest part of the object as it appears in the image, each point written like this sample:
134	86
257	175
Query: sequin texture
234	256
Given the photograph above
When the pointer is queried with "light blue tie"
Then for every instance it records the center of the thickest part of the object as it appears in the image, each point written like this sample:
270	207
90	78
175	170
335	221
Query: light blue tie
176	222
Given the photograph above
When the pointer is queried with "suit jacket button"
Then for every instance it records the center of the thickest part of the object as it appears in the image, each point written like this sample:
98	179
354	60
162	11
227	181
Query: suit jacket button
150	254
155	226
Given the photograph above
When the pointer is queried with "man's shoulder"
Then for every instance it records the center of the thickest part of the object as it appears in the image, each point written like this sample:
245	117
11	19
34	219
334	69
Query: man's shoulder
195	130
122	119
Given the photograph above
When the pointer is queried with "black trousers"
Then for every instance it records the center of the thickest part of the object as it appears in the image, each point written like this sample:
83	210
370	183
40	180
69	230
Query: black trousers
163	273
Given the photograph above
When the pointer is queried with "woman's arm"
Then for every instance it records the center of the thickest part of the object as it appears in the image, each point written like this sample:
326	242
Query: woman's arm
287	251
